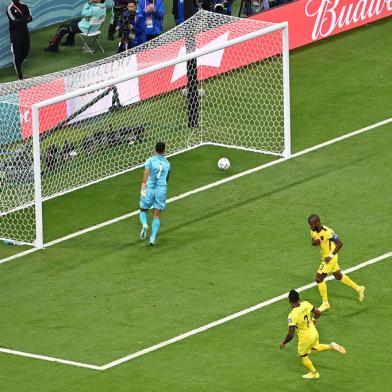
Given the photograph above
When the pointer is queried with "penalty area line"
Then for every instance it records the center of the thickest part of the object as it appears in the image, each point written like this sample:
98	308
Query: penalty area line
203	188
49	359
234	316
188	334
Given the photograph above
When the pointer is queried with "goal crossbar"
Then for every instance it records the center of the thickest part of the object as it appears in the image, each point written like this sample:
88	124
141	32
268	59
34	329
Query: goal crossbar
197	53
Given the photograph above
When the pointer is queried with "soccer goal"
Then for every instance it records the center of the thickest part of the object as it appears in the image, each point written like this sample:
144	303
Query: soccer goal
214	80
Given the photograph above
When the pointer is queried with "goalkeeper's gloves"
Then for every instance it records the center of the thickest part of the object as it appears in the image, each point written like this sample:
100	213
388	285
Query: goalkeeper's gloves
143	192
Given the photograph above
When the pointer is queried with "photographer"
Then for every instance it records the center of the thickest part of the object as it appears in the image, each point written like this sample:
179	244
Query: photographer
19	15
217	6
119	7
94	9
132	28
222	6
178	11
153	12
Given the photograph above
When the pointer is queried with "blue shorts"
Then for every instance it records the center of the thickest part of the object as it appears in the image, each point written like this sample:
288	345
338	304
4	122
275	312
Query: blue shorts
155	198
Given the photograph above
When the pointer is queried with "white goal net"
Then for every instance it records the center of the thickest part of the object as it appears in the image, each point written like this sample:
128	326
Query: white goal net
214	79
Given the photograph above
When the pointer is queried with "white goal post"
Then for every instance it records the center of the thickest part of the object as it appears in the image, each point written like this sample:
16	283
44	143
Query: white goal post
214	80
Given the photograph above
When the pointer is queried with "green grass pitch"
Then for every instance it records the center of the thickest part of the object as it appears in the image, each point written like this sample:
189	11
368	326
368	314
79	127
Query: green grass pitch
105	294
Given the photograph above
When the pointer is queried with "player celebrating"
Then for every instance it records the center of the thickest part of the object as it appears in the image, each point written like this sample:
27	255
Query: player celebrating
330	245
300	319
153	191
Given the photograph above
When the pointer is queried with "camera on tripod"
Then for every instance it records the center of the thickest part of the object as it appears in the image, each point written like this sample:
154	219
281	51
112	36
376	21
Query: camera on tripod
217	6
221	7
127	32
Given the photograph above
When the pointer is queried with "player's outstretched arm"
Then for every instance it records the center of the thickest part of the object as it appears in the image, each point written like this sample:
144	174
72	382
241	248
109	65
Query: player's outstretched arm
289	336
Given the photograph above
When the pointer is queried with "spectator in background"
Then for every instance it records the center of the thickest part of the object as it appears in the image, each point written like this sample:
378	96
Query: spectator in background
94	9
178	11
153	12
19	15
266	5
118	8
132	28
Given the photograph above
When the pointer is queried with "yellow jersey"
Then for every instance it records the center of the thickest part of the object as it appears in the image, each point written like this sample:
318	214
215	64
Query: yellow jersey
327	239
301	318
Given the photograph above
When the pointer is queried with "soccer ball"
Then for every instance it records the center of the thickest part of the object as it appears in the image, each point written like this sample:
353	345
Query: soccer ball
223	164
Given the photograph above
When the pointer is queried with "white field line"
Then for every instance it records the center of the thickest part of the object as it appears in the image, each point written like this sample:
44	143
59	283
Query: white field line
233	316
204	188
188	334
49	359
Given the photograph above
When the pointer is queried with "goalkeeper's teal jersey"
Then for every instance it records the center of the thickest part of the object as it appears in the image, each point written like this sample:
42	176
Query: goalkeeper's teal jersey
159	168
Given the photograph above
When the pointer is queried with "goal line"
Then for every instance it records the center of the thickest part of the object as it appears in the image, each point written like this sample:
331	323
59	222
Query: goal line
201	189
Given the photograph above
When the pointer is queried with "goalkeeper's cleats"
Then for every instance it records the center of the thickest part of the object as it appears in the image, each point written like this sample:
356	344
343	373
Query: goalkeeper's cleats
143	233
361	293
337	347
152	241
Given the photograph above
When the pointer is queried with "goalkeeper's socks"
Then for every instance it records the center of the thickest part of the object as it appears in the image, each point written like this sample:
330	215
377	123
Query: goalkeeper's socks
143	218
156	223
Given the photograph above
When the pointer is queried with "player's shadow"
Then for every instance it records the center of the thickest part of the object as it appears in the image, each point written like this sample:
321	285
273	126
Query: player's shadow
353	313
227	207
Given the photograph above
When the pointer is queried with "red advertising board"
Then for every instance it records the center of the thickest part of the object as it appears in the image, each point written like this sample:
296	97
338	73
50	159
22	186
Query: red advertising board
309	21
312	20
49	116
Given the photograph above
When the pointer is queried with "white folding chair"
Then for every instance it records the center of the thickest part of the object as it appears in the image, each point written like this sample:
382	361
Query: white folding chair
90	40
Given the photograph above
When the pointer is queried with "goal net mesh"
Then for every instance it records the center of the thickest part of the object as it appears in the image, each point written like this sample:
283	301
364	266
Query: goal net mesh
236	100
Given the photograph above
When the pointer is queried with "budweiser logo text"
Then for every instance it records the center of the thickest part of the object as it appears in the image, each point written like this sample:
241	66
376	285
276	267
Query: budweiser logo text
337	14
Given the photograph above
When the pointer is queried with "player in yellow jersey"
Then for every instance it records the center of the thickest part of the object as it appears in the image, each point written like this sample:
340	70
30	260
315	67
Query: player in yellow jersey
301	320
330	245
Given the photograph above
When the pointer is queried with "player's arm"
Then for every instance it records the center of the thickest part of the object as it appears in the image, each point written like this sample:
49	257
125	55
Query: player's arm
289	337
316	315
315	241
338	246
146	173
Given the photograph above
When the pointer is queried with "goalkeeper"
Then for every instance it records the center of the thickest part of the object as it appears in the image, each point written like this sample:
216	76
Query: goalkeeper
153	191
